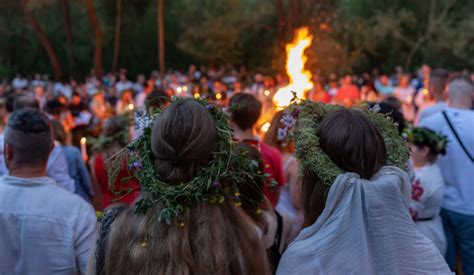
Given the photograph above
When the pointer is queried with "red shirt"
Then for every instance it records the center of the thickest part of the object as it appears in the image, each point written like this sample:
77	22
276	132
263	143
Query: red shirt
125	192
273	165
347	95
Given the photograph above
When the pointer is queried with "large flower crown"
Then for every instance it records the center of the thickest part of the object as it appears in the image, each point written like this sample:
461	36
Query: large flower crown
215	183
301	122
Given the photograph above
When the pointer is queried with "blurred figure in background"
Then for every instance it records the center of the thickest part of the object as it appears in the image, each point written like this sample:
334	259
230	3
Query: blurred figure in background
435	101
404	92
77	168
290	201
245	111
428	184
115	136
348	94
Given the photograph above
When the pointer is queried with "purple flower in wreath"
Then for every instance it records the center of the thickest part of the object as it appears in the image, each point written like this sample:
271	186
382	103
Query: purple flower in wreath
135	165
282	133
216	184
288	120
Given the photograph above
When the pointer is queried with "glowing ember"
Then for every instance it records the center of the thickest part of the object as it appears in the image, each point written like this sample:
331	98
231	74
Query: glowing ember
300	79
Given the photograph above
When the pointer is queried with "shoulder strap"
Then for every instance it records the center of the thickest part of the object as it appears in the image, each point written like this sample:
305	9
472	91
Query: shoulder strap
457	136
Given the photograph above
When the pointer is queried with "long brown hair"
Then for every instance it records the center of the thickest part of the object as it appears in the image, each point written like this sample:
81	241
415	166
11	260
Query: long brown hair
354	144
205	238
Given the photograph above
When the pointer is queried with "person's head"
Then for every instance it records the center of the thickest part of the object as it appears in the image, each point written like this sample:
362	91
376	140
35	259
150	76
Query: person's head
391	107
347	80
25	101
404	80
76	99
157	99
127	96
354	144
184	137
206	238
271	137
425	146
245	110
27	140
123	75
437	84
54	107
113	126
383	78
460	92
59	133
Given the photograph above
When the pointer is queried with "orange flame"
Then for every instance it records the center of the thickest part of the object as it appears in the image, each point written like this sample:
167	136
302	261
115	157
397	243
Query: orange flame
300	79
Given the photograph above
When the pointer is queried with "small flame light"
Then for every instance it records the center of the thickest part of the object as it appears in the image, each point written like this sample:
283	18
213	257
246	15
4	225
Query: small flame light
265	127
266	93
218	96
425	91
197	95
185	88
130	107
179	90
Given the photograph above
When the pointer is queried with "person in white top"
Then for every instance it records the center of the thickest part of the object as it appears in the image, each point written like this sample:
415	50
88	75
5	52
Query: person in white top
457	167
19	82
437	94
123	84
427	184
44	229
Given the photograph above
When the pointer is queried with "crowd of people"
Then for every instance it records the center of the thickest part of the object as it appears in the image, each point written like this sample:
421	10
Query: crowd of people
61	142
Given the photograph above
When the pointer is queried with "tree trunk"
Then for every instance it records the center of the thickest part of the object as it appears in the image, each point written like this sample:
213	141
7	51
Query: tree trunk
67	31
161	36
281	17
95	25
43	39
118	26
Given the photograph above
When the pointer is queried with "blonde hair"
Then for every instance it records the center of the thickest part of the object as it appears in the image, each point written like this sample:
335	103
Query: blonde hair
205	239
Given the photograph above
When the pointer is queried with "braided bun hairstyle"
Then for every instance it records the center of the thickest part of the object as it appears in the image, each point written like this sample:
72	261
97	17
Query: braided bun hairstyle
183	139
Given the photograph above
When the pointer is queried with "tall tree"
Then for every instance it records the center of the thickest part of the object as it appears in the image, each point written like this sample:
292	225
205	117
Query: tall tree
118	26
43	39
68	33
161	35
95	25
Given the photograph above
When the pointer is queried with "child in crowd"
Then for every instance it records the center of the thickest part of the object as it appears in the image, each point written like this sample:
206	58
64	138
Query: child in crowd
428	184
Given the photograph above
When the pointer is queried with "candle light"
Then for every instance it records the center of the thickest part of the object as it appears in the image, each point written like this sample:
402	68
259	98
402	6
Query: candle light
179	90
197	95
218	96
265	127
185	88
266	93
84	148
130	107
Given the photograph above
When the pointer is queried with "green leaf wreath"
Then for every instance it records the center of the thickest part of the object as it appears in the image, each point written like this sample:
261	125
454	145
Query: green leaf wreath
302	121
215	183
